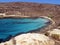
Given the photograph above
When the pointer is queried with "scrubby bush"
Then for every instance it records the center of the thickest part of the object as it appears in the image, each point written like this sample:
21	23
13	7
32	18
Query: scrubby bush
51	16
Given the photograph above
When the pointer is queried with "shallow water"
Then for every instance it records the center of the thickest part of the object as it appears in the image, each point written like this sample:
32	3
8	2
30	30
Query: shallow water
15	26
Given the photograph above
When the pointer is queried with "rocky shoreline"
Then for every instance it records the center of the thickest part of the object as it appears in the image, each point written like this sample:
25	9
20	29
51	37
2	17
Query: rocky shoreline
30	10
43	29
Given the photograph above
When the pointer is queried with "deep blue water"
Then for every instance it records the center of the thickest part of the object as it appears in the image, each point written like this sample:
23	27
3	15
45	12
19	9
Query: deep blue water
14	26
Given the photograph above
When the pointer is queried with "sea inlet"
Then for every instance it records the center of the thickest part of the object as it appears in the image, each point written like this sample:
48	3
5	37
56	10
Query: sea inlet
10	27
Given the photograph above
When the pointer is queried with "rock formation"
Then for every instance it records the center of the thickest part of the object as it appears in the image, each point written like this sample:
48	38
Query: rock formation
54	33
30	39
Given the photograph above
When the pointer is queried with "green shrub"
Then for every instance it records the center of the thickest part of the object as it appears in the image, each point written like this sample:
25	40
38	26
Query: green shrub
51	16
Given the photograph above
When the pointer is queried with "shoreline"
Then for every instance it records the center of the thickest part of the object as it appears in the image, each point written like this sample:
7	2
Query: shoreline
40	30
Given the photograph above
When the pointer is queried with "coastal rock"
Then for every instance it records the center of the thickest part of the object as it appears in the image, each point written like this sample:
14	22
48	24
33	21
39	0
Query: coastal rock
30	39
7	43
33	39
55	33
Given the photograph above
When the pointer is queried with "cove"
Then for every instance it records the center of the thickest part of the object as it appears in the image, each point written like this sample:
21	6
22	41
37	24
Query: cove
11	26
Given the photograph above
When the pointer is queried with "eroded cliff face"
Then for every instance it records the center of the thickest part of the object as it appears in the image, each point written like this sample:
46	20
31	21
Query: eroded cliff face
31	9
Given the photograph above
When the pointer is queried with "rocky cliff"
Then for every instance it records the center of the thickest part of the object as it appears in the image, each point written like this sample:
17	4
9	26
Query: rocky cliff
31	9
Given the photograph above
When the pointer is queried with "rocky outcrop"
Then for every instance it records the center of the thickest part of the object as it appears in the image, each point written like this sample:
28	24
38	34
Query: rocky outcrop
30	39
54	33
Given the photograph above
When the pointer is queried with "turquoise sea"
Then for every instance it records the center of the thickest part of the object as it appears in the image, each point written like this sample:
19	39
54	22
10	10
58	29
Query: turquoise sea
11	27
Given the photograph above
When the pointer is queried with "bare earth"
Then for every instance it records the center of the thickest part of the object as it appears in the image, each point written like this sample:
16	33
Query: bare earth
31	9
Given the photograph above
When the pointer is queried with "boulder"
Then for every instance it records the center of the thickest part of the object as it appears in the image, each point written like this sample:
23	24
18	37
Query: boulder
55	33
33	39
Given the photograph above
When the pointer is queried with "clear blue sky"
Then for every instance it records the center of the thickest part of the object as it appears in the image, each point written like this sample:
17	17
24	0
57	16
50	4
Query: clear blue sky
38	1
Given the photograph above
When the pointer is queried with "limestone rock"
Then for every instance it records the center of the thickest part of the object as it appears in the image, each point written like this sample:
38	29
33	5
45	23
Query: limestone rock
10	42
30	39
55	33
33	39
